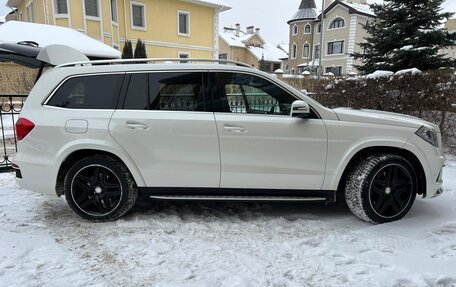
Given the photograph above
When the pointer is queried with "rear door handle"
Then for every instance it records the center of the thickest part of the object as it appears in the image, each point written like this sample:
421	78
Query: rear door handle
234	129
137	125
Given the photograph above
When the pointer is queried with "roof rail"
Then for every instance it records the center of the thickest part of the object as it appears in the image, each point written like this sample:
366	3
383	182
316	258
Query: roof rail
153	61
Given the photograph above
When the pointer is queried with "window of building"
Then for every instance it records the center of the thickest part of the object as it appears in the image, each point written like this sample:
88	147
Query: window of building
306	51
337	71
183	18
319	28
295	29
336	47
184	55
91	8
337	23
294	51
248	94
30	12
138	16
223	56
61	7
114	10
317	52
94	92
307	29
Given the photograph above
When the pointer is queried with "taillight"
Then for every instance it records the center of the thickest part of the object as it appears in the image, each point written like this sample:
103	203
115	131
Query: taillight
23	128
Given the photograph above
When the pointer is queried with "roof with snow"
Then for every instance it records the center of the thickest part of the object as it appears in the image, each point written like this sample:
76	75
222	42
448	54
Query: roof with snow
307	10
45	35
270	52
2	19
212	3
354	8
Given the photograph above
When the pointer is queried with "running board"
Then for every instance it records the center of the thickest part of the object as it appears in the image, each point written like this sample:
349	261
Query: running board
236	198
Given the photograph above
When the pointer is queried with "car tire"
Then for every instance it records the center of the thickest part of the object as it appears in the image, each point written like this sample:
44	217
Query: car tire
99	188
381	188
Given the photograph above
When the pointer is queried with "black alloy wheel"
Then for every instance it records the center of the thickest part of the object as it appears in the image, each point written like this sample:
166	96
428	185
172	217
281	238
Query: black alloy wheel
391	190
100	188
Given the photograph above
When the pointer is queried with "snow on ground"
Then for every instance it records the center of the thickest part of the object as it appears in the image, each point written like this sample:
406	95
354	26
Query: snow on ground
225	244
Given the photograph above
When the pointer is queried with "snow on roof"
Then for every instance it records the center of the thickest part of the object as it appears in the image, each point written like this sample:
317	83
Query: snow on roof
2	19
217	3
233	40
284	47
44	35
269	52
362	8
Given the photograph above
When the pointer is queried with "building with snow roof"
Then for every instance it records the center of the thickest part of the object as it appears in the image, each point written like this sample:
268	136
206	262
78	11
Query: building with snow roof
169	28
450	52
250	47
342	30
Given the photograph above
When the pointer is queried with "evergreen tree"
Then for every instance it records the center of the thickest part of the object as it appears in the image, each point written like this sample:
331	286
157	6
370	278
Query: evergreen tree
127	52
406	34
140	50
262	64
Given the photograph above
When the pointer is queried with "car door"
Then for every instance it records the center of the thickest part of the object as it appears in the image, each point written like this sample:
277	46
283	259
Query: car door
261	145
163	125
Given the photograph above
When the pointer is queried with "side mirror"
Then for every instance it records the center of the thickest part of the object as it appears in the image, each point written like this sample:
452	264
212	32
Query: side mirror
300	109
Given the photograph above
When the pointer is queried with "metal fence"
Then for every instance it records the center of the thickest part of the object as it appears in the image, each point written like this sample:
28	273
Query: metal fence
11	106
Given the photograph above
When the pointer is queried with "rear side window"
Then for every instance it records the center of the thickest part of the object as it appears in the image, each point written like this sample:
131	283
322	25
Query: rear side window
166	92
88	92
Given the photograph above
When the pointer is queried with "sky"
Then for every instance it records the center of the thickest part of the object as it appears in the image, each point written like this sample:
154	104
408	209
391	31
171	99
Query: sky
267	15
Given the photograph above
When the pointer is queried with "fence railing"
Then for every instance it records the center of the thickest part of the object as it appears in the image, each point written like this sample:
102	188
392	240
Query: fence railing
10	108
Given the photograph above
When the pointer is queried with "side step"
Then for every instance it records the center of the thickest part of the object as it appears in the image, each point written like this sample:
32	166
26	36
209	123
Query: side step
236	198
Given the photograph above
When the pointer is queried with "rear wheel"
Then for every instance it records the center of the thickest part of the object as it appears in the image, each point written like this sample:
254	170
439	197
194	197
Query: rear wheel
381	188
100	188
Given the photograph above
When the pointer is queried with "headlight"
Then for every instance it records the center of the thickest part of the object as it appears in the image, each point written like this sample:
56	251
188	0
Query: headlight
428	135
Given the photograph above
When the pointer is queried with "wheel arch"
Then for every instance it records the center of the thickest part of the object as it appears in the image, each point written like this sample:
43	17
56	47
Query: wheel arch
76	155
408	155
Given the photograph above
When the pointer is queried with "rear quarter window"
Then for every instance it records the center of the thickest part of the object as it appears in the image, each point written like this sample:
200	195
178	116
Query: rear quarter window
88	92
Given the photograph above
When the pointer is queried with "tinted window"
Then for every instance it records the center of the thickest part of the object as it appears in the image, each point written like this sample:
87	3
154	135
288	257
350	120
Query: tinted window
90	92
176	92
165	92
242	93
137	94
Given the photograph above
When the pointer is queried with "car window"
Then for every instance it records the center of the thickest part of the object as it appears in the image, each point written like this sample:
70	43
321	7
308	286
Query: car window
248	94
176	92
165	92
88	92
137	93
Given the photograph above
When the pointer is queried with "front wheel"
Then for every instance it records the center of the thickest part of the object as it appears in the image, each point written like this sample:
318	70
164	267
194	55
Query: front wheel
381	188
100	188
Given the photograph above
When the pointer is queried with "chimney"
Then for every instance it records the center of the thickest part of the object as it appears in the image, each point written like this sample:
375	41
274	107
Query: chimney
250	29
238	29
257	30
360	1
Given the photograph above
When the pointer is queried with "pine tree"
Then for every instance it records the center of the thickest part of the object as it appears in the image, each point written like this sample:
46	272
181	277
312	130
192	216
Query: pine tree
406	34
140	50
262	64
127	52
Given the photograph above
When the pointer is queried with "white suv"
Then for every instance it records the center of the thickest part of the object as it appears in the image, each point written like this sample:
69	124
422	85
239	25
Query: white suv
101	134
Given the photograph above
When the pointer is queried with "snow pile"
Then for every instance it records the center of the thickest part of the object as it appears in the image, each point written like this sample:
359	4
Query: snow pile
380	74
412	71
225	244
278	71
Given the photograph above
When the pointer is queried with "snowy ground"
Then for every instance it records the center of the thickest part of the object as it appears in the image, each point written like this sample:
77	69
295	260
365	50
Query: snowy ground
225	244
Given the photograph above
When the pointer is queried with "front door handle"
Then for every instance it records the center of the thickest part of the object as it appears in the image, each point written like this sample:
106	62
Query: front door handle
137	125
234	129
